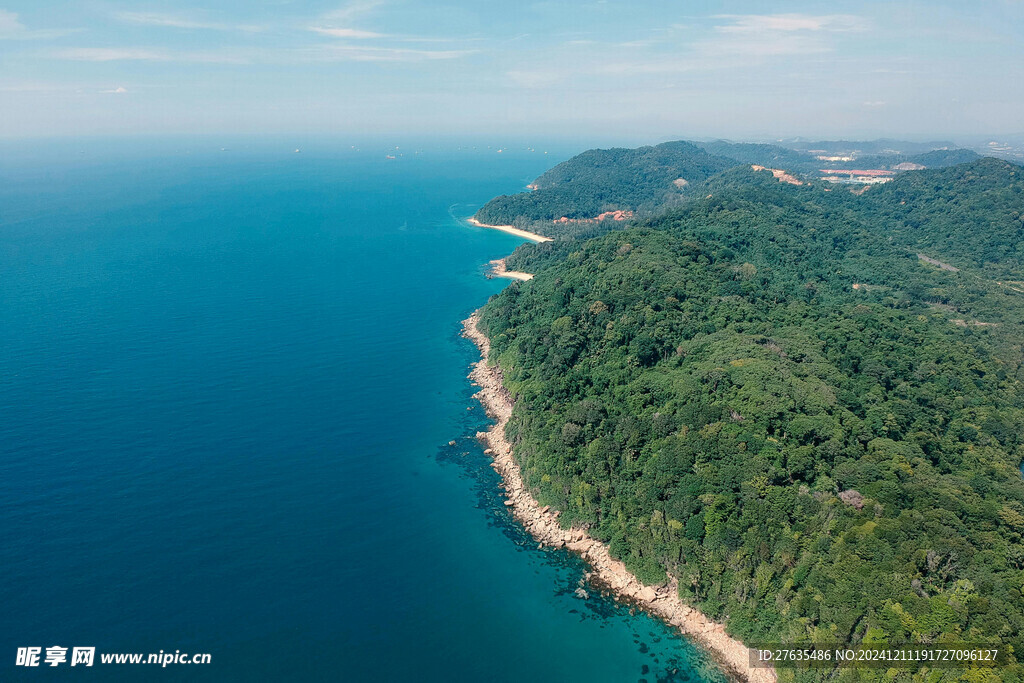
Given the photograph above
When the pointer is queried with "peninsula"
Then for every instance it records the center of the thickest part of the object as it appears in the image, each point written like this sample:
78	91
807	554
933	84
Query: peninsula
757	412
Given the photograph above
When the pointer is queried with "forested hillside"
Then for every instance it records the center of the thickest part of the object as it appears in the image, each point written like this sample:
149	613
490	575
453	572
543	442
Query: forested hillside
973	215
566	200
771	156
767	396
603	180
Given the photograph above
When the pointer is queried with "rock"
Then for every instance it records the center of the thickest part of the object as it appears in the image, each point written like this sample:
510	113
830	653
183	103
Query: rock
488	451
451	443
509	503
581	594
544	509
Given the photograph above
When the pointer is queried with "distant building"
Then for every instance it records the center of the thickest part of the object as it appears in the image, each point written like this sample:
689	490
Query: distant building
871	176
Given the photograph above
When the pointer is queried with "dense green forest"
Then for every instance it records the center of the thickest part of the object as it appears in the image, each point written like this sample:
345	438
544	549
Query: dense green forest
768	396
650	180
973	215
603	180
772	156
939	158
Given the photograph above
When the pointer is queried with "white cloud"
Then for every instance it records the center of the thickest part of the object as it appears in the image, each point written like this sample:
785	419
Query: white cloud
773	35
119	90
318	53
338	23
533	78
109	54
352	10
11	28
767	23
137	54
158	19
643	43
382	54
9	24
733	42
178	21
345	32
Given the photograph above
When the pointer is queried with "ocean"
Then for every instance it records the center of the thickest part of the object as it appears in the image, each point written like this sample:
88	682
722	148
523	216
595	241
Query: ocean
228	383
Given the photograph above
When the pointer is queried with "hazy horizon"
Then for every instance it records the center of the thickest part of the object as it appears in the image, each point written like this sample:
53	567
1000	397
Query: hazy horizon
604	70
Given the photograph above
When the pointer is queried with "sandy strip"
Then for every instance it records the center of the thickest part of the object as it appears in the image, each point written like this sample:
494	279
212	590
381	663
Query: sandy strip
542	522
498	269
511	229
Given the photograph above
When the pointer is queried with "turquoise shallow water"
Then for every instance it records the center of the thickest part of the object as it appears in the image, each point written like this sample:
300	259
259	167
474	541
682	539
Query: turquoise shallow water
228	381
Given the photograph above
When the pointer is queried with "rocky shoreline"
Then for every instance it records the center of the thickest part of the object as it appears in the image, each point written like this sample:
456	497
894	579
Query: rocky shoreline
542	522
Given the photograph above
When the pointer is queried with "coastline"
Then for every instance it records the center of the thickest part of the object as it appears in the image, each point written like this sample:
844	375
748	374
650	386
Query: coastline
542	523
511	229
499	269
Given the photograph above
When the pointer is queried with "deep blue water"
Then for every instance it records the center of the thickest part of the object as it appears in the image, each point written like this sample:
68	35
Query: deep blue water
228	380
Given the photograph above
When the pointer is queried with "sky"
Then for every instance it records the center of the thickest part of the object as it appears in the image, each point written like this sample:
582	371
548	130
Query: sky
622	70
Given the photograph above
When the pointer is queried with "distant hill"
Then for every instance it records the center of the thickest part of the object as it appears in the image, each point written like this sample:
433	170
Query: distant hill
970	214
883	154
615	184
864	147
772	156
602	180
940	158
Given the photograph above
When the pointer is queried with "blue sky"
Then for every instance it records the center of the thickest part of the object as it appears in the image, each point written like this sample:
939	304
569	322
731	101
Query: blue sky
635	70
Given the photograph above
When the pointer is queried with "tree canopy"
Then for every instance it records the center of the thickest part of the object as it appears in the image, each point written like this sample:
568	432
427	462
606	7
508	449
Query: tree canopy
768	396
